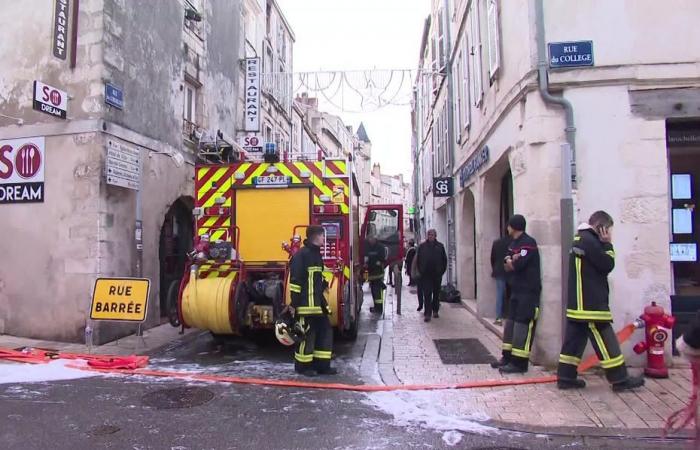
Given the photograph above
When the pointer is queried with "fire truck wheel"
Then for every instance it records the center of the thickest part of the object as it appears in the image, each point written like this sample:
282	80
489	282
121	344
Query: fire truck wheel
218	339
171	303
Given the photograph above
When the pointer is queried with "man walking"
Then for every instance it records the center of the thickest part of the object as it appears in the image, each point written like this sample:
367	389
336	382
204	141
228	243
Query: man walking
522	264
499	251
307	287
375	260
588	310
431	261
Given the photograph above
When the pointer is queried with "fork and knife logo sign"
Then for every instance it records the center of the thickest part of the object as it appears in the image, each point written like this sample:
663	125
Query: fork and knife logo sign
22	170
28	161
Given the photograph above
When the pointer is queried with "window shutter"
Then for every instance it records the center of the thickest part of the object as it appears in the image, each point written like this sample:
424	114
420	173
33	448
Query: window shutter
475	53
494	40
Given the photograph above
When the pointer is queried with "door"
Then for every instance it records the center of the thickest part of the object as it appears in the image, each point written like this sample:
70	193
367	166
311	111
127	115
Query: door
385	222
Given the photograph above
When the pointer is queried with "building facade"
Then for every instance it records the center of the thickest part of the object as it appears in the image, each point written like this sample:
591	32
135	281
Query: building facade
629	145
170	79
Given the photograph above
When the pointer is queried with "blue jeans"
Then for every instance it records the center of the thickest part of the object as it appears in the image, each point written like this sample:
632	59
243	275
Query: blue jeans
500	296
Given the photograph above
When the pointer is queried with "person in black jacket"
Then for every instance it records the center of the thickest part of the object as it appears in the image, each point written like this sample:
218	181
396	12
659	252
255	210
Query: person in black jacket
410	254
375	260
588	313
522	264
307	287
432	264
499	251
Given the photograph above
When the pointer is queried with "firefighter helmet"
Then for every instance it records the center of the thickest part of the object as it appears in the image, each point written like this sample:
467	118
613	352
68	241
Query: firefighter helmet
287	330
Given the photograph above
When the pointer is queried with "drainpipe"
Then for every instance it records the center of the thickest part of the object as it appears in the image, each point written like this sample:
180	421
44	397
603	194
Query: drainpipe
568	171
451	219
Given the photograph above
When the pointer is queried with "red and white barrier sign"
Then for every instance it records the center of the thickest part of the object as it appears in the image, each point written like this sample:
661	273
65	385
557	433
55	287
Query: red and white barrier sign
22	170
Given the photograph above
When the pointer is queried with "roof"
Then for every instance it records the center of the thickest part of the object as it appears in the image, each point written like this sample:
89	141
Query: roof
362	133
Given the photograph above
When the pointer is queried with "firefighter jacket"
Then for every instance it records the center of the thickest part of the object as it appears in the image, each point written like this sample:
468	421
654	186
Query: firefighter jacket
590	262
375	256
306	281
525	280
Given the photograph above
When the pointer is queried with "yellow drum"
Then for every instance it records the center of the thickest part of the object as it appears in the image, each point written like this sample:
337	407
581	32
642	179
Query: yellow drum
206	304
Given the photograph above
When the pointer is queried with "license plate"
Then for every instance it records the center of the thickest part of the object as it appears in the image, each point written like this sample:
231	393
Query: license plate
272	180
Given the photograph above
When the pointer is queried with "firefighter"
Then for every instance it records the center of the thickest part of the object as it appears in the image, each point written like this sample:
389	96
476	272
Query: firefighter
375	260
588	313
307	286
522	264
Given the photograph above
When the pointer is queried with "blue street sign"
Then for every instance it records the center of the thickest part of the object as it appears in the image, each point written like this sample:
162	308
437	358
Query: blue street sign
114	96
571	54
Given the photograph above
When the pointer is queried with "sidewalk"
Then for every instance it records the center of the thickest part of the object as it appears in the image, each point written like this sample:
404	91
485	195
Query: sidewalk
152	340
595	410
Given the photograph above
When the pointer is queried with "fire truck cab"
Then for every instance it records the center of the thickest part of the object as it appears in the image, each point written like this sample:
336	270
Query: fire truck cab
250	217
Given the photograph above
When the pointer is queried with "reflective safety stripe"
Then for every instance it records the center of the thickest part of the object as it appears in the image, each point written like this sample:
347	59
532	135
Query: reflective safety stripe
308	310
295	288
579	286
525	352
611	253
507	347
315	269
380	301
346	272
303	358
588	315
319	354
612	362
601	343
520	353
571	360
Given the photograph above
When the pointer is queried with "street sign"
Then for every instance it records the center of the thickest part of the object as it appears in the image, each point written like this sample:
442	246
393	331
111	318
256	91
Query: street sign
114	96
251	143
571	54
123	165
50	100
22	170
443	187
121	299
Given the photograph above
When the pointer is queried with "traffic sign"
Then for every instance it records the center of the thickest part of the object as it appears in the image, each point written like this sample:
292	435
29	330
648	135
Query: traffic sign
121	299
123	165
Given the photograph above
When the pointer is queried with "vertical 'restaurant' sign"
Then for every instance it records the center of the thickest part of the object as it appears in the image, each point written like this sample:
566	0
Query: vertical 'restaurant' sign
60	28
252	94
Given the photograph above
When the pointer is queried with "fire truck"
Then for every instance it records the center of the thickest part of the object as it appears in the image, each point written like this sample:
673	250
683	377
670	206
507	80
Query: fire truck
250	218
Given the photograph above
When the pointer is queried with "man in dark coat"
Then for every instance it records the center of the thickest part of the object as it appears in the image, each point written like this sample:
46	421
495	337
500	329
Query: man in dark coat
432	264
499	251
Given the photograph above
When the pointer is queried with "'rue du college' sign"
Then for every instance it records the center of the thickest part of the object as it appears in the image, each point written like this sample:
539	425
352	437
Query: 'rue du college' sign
571	54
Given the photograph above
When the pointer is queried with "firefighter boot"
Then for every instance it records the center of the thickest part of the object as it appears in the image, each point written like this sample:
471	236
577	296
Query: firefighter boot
570	384
505	359
629	384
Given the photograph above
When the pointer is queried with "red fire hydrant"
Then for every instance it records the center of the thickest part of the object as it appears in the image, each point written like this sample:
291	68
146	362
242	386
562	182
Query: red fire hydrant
657	325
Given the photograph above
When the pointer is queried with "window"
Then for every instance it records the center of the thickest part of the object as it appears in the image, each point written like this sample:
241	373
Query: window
459	95
193	10
190	104
493	39
464	85
441	39
268	18
474	38
434	66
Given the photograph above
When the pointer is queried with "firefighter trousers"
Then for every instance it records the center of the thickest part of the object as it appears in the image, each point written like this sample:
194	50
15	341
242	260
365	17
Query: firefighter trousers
315	351
378	289
602	336
517	340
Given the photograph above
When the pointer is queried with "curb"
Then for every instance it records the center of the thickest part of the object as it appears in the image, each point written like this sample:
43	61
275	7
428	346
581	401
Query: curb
485	322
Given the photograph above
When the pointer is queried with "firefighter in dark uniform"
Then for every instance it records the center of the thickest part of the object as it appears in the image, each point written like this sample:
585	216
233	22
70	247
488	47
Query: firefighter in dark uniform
522	265
375	260
307	286
588	310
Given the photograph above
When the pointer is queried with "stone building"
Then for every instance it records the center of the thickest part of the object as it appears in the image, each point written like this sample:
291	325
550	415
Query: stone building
604	117
172	81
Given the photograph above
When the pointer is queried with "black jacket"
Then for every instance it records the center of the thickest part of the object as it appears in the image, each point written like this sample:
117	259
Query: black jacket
525	280
590	263
375	256
410	254
499	250
306	281
432	259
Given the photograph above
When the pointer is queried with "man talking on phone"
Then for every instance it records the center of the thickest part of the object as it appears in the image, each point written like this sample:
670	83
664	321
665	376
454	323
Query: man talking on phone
588	310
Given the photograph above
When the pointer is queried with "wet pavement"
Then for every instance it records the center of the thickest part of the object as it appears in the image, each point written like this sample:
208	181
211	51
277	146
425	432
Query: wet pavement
136	412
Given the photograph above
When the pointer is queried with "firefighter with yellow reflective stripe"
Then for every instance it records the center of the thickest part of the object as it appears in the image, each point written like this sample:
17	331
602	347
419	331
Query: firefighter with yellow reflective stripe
375	260
522	265
307	285
588	310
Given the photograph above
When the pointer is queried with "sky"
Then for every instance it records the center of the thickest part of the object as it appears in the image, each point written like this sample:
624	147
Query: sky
357	35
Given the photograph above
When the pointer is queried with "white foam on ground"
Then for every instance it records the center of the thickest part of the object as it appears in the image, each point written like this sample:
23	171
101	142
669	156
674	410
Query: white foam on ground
34	373
452	438
423	409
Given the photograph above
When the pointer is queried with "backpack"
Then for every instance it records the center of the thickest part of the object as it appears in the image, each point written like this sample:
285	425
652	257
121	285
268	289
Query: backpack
449	294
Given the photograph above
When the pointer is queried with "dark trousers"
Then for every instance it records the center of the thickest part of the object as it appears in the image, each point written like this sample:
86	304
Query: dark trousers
430	286
517	340
602	336
420	293
378	288
315	351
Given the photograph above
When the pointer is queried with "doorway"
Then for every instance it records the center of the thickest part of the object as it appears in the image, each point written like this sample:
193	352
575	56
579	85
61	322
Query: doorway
176	236
506	202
